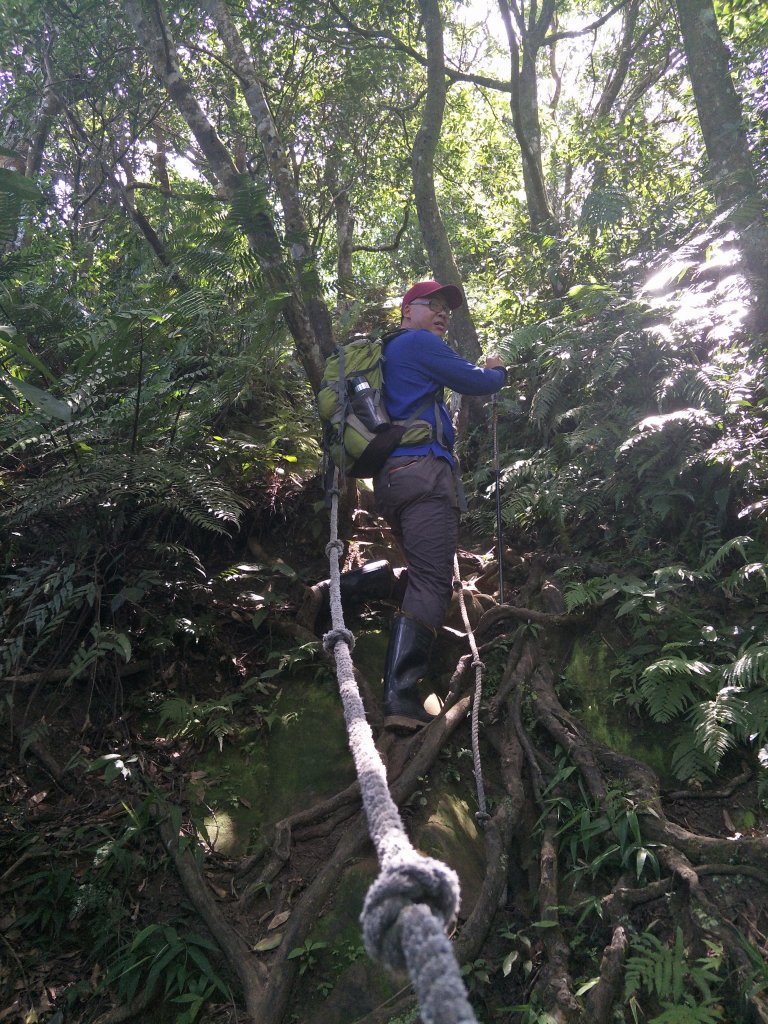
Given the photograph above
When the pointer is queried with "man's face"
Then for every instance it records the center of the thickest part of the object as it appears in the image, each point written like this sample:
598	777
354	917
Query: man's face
431	313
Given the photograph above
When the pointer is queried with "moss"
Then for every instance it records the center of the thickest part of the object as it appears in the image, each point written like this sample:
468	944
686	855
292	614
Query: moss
587	680
450	835
303	759
351	983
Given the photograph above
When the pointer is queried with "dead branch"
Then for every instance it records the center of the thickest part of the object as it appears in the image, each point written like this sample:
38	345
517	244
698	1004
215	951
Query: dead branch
136	1006
507	611
566	730
709	794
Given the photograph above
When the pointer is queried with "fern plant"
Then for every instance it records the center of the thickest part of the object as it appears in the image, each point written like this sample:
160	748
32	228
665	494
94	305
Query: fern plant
684	990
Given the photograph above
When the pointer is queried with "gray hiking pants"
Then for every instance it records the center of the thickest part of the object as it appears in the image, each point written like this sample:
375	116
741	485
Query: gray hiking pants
416	494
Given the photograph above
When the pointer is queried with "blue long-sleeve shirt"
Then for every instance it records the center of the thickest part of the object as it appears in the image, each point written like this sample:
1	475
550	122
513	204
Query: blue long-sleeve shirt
416	365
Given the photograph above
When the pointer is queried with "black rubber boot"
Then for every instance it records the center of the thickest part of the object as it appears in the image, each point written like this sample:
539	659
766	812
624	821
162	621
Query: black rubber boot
369	582
410	645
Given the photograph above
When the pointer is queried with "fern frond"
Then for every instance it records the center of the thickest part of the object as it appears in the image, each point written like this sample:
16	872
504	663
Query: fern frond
666	688
694	385
604	208
678	666
714	562
746	573
525	338
675	574
546	401
693	419
750	668
715	723
689	761
665	698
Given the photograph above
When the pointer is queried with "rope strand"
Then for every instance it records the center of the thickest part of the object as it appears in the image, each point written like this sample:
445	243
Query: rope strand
481	816
415	898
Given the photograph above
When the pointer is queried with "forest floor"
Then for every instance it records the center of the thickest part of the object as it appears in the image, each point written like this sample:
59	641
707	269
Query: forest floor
119	900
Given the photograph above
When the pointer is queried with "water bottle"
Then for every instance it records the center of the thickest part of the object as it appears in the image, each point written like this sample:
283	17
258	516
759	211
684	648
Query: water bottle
364	405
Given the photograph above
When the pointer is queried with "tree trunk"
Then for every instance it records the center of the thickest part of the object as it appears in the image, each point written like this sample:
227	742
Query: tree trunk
344	216
154	37
725	139
524	106
425	145
296	230
717	103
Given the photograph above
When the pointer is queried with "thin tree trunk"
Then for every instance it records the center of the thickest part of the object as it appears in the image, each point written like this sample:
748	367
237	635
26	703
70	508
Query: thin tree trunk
524	106
433	231
154	37
296	229
345	237
618	74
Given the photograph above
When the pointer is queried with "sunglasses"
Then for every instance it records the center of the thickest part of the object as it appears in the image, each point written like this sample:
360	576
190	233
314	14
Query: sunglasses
434	304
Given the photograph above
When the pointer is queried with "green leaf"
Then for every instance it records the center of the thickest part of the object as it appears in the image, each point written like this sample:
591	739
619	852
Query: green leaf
42	400
15	184
24	353
587	986
144	934
508	961
124	644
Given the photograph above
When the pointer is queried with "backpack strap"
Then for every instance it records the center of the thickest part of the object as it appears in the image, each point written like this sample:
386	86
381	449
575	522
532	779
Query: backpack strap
437	433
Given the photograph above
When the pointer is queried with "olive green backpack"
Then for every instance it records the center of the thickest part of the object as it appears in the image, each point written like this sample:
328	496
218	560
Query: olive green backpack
358	433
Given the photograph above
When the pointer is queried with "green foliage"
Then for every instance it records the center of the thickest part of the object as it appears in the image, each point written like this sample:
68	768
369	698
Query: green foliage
175	966
685	990
411	1017
48	904
121	464
594	839
199	721
306	954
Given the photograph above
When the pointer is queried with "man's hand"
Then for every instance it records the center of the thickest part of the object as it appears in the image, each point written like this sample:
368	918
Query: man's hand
493	362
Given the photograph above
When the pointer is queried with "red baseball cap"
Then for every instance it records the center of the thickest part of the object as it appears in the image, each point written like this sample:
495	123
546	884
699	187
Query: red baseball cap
450	292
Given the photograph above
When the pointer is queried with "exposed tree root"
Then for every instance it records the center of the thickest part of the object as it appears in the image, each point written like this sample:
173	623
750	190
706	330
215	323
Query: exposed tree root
52	766
137	1006
247	968
718	794
529	682
601	999
497	834
554	984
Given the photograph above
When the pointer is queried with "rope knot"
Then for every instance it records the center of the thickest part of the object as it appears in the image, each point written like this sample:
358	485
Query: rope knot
334	545
477	663
335	636
414	879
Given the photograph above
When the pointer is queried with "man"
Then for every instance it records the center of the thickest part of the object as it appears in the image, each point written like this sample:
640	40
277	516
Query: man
416	490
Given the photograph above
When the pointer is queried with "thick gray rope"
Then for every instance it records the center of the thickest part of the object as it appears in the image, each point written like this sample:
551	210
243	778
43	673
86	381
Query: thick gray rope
415	898
482	815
